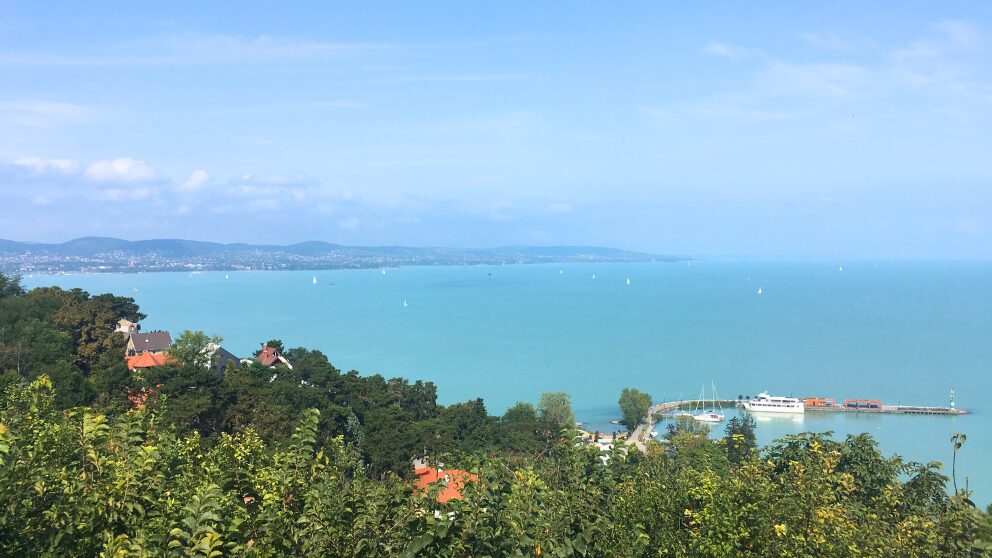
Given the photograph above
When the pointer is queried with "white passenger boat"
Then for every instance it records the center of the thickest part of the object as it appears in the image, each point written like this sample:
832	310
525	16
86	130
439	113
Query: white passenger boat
771	404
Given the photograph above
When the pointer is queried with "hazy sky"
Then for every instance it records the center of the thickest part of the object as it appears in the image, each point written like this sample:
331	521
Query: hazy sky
793	129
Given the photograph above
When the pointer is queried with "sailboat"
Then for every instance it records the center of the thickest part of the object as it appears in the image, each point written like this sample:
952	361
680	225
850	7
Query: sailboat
712	415
593	275
314	281
841	268
628	280
759	290
561	272
226	276
384	271
405	304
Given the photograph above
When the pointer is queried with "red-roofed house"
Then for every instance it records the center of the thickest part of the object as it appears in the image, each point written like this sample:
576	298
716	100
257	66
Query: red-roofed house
270	356
453	479
148	359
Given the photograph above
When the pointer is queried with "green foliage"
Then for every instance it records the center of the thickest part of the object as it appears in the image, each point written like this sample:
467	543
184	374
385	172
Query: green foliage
192	348
740	440
85	484
634	405
10	285
556	408
313	462
957	441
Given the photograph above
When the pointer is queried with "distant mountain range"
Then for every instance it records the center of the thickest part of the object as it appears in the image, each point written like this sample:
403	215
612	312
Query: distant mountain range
114	254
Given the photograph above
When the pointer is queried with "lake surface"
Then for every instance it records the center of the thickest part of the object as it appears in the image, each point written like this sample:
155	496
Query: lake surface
904	333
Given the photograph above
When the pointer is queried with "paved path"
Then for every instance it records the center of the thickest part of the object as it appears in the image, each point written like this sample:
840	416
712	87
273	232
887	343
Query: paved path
642	434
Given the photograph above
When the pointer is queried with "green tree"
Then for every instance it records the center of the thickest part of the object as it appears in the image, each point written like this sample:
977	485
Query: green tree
739	439
957	441
556	408
92	322
634	406
520	412
193	348
10	286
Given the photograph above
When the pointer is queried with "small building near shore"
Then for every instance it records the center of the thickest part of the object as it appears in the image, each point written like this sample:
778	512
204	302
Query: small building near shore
127	327
153	342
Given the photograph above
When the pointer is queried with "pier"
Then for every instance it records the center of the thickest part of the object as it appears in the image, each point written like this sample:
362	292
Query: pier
640	436
891	410
843	407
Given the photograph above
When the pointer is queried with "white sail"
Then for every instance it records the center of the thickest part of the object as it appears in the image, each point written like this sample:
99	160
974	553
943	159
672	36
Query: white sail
314	281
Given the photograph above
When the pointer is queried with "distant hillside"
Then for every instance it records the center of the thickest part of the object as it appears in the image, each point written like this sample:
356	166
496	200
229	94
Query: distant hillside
114	254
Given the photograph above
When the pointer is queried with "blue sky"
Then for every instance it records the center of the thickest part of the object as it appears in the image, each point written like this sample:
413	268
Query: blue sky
833	130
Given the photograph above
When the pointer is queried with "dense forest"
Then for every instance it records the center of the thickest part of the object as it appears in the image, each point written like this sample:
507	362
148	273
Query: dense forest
187	460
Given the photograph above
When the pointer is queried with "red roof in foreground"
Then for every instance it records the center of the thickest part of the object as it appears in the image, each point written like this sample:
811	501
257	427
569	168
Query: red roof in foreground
148	360
453	479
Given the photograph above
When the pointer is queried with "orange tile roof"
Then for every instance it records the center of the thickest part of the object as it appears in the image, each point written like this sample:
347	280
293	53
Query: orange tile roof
454	480
148	360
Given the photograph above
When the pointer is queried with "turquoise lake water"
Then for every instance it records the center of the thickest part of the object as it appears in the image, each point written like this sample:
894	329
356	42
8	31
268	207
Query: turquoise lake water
904	333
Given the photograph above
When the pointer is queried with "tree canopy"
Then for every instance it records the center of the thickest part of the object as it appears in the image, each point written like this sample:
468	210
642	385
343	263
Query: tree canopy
556	408
634	406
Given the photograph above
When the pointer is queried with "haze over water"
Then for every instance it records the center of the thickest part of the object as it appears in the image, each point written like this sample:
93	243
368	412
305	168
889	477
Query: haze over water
900	332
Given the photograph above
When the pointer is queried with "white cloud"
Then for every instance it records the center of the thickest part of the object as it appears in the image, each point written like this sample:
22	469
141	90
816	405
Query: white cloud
192	49
825	41
945	61
455	78
36	113
195	181
41	200
560	208
253	140
41	166
961	34
724	50
824	79
126	194
122	169
351	223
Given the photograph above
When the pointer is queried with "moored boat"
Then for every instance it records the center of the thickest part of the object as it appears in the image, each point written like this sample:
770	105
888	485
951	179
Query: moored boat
711	415
773	404
708	417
